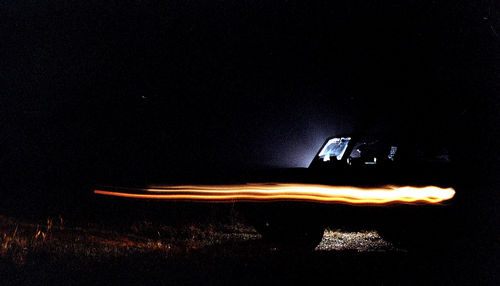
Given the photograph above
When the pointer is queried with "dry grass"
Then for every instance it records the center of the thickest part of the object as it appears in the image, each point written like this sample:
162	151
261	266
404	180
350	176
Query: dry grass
23	240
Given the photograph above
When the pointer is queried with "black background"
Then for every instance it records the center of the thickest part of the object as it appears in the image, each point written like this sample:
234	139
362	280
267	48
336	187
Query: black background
95	89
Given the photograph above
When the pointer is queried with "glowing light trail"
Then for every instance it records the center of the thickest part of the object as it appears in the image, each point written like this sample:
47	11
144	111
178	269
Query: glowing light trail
288	192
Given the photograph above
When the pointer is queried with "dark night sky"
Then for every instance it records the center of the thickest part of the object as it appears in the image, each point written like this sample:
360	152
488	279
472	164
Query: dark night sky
96	88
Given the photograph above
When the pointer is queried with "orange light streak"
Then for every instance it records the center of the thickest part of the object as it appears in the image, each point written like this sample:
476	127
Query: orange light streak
289	192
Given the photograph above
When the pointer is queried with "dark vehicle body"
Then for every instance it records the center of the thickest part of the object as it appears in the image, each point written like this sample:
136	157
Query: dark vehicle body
365	161
347	160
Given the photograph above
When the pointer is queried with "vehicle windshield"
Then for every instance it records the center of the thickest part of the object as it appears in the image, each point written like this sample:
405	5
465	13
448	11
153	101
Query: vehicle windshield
334	148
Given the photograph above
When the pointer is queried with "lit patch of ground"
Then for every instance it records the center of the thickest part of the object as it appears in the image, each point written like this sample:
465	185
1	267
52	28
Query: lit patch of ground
360	241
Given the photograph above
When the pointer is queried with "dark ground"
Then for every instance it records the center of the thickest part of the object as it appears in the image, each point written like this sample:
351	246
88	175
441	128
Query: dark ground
211	244
228	254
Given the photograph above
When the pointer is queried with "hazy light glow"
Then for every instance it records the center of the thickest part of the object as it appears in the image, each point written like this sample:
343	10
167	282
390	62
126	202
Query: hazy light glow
288	192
